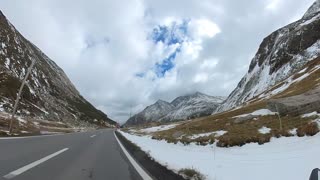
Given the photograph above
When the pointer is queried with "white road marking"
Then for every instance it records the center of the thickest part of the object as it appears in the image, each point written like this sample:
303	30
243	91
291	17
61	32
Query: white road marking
142	173
24	137
39	136
32	165
93	136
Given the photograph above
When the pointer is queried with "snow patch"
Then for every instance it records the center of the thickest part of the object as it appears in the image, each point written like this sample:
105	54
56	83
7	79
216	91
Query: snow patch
315	113
7	63
264	130
260	112
216	133
310	20
293	131
158	128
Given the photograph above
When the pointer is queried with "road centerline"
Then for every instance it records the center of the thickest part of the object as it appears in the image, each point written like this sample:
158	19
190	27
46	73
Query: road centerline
32	165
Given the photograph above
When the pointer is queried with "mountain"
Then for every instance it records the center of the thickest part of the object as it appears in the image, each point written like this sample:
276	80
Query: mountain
151	113
192	106
280	55
181	108
48	94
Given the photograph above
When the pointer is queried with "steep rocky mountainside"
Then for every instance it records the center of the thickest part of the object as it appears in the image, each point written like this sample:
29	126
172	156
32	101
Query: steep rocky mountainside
280	55
181	108
48	94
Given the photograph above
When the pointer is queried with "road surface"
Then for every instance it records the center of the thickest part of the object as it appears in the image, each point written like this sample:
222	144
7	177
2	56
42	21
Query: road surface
77	156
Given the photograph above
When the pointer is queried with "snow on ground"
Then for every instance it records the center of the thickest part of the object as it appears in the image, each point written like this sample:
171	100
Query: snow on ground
289	81
315	113
293	131
158	128
264	130
260	112
216	133
41	109
284	158
49	132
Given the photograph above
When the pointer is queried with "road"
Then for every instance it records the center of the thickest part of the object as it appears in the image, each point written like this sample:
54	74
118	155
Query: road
77	156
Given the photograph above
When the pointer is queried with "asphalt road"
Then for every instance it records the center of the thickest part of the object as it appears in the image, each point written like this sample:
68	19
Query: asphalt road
78	156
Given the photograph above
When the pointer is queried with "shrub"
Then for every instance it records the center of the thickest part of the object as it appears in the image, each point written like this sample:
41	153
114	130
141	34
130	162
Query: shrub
193	174
278	133
229	141
308	129
3	133
205	140
185	140
172	140
264	139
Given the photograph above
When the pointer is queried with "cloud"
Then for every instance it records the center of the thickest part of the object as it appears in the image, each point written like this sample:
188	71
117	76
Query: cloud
124	55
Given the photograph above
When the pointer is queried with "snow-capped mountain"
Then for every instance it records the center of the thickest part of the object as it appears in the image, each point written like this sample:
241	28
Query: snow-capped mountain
181	108
280	55
192	106
48	94
151	113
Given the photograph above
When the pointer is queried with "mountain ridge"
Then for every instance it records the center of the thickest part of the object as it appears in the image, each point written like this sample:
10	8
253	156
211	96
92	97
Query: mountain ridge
181	108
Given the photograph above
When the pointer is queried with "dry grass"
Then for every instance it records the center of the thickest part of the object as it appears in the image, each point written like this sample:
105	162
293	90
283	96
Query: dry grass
309	129
191	174
31	126
240	133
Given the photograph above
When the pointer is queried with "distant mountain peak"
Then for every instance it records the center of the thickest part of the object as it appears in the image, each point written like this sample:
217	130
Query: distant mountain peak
160	101
181	108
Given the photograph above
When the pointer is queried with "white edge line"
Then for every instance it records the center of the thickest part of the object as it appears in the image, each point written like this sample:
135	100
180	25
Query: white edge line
39	136
25	137
32	165
142	173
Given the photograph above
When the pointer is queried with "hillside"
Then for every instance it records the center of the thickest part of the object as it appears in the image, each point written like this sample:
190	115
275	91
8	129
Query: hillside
280	55
48	94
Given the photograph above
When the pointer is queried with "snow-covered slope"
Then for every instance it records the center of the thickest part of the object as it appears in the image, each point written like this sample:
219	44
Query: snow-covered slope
280	55
48	94
181	108
287	158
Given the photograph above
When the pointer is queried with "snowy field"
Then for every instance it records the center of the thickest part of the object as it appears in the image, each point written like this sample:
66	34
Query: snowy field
287	158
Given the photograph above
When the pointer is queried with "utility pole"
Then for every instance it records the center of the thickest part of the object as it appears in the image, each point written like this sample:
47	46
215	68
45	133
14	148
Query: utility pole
279	117
19	94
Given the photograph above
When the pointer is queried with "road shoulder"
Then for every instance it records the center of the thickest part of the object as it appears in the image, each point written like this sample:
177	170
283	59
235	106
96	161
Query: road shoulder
157	170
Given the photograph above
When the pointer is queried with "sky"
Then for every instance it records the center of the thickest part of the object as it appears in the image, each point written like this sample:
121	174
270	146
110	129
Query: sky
124	55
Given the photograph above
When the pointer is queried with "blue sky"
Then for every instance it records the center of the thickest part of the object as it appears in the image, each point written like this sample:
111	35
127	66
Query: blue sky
172	35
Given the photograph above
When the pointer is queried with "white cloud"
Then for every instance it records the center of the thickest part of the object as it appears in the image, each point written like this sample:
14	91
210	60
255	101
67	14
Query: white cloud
102	45
204	28
201	78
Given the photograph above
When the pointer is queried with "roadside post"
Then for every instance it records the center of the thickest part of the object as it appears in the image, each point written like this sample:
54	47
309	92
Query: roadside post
19	95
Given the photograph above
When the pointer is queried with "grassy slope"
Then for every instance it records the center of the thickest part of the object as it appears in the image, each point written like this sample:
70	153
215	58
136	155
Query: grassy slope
239	133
